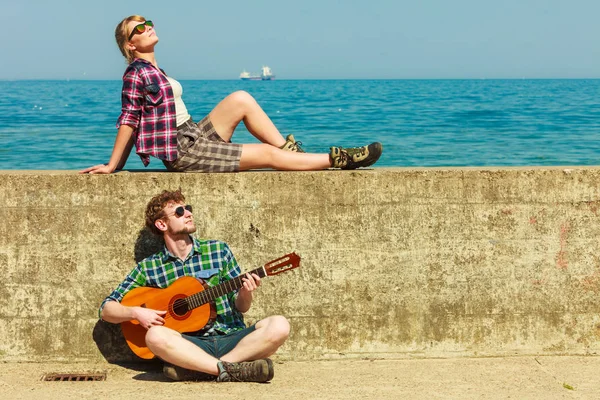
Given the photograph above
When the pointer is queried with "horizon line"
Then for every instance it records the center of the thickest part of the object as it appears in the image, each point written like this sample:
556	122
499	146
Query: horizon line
304	79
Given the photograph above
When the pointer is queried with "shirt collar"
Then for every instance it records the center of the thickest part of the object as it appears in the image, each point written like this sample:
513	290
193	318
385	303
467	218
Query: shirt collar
150	64
142	60
167	255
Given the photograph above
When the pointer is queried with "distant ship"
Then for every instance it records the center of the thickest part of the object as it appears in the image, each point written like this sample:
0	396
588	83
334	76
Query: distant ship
266	75
246	76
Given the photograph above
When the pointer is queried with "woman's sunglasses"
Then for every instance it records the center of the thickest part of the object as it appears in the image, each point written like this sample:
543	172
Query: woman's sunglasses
141	28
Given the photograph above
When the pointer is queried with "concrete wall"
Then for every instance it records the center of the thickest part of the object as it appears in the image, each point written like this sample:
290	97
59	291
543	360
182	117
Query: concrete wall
396	262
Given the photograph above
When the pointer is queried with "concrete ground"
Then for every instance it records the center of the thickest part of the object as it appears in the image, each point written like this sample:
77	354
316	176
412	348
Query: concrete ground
568	377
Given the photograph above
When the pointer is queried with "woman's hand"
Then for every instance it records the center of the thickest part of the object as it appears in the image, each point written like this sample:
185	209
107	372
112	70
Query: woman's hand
98	169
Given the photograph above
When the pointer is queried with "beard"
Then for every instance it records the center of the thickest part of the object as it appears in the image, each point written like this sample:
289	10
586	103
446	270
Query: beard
186	230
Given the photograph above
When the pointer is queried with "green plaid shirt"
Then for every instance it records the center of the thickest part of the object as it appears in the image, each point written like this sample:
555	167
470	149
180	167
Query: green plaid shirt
210	260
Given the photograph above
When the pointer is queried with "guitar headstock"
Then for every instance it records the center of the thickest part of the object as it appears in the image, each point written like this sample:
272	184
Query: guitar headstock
282	264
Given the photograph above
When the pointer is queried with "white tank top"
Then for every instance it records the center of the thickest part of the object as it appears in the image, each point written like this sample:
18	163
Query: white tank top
180	108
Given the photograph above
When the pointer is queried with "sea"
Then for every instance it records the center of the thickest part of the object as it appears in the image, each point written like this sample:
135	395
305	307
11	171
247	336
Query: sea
70	125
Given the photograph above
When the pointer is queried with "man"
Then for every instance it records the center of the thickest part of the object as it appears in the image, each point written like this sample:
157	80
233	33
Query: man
227	350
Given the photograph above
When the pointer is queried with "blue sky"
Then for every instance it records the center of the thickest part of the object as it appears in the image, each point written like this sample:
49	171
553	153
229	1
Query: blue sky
308	39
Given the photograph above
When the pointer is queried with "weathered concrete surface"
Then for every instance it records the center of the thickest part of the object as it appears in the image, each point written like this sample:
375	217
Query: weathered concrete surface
564	377
396	262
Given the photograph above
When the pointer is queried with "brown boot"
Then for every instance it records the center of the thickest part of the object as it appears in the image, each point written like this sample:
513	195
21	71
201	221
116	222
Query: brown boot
355	157
250	371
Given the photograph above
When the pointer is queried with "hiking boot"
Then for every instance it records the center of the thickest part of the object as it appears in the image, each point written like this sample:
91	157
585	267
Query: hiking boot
177	373
250	371
291	145
355	157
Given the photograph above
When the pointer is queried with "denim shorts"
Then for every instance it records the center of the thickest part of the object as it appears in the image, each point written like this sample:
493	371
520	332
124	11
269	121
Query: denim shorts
219	345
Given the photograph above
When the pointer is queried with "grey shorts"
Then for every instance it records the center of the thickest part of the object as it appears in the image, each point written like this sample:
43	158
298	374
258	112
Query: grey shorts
201	149
219	345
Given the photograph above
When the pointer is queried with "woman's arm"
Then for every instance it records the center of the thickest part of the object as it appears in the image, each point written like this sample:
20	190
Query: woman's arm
127	148
120	153
131	105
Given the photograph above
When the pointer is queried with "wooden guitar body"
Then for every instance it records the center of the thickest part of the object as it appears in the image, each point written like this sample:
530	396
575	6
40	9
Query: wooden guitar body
177	318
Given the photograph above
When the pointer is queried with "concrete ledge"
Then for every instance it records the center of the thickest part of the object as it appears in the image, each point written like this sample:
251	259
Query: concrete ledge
396	262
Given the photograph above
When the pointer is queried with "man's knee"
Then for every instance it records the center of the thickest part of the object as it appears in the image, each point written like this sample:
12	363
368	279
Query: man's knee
278	329
157	337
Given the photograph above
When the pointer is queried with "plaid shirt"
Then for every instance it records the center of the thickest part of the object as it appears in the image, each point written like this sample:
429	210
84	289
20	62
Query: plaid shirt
148	106
210	260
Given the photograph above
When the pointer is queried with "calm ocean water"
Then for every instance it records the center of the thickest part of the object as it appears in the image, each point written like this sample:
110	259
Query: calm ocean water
71	124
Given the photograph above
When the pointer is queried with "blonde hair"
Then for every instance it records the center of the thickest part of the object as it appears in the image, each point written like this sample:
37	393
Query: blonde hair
121	35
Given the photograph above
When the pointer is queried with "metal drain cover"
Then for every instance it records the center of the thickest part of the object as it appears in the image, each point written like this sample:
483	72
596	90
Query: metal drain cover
54	377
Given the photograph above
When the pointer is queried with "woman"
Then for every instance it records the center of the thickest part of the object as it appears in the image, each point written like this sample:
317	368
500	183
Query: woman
155	118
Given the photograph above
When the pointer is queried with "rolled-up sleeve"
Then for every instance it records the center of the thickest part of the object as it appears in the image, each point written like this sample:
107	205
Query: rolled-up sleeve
131	99
136	278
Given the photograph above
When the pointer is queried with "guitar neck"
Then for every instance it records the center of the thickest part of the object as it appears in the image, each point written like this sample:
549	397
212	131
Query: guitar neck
208	295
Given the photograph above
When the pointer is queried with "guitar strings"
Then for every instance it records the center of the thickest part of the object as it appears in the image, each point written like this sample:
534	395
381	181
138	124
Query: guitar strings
206	295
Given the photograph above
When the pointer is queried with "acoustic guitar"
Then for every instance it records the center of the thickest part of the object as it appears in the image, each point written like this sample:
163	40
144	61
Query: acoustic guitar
189	302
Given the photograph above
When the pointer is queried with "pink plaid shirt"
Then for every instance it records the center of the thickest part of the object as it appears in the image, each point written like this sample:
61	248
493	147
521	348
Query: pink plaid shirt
149	108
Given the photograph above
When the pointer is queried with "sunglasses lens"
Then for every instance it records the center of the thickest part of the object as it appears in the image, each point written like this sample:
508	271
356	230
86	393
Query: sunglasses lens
140	28
180	211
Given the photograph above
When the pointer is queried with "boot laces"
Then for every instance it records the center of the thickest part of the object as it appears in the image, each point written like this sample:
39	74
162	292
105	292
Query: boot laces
357	151
239	371
233	369
343	158
296	146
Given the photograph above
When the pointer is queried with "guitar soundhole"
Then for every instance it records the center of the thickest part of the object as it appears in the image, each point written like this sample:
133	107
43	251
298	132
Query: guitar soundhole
180	307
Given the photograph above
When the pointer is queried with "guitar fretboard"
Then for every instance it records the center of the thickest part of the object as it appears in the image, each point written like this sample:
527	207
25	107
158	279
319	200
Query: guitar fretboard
208	295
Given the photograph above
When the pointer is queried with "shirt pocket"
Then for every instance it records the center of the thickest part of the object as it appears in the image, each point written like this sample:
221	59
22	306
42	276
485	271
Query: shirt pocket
153	95
205	274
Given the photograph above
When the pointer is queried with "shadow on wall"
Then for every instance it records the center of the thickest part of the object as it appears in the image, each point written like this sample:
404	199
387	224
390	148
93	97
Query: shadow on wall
108	337
147	243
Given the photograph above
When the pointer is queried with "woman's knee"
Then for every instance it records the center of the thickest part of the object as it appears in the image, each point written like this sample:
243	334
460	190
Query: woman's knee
241	98
258	155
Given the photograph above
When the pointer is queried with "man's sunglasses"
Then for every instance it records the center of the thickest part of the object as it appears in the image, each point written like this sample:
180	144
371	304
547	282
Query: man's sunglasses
141	28
180	211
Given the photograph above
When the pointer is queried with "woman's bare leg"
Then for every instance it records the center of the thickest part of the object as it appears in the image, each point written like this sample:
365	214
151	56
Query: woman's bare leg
266	156
241	106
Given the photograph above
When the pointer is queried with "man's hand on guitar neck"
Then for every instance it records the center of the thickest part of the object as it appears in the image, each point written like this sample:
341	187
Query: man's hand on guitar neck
244	298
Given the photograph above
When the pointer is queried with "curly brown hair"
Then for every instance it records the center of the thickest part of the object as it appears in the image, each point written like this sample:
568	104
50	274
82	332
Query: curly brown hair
155	208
